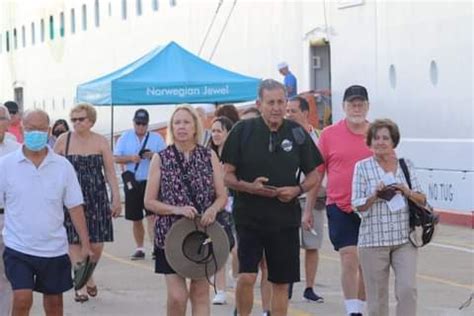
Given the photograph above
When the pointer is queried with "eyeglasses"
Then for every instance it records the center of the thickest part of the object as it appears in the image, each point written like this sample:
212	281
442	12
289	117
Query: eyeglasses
273	142
78	119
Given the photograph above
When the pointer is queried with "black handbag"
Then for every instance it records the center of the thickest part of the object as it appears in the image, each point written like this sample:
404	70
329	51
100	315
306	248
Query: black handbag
128	177
423	219
222	217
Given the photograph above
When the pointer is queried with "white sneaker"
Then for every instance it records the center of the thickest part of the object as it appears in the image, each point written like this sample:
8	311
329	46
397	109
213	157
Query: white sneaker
219	298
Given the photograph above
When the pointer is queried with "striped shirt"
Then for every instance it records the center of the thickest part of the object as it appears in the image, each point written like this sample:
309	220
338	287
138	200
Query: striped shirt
380	226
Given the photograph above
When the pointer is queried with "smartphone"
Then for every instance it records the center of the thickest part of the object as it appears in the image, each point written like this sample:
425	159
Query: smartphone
270	187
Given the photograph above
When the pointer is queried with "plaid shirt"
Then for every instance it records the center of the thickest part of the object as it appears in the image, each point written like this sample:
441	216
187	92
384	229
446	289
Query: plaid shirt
380	226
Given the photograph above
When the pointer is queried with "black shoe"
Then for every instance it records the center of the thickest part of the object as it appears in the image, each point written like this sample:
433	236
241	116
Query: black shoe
356	314
266	313
290	290
153	255
137	255
311	296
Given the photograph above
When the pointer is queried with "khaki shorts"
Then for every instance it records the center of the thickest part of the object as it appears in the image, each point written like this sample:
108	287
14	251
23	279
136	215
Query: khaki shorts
308	239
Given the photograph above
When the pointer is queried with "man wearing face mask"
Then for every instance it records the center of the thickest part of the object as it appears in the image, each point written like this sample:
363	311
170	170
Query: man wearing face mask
7	145
35	183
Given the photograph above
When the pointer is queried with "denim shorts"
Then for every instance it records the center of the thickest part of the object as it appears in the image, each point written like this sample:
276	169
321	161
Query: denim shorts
45	275
343	227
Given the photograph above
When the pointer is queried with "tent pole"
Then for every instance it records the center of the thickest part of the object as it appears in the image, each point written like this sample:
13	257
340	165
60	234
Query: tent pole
112	127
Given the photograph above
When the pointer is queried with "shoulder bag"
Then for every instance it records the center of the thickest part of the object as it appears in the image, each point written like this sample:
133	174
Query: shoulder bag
423	220
128	177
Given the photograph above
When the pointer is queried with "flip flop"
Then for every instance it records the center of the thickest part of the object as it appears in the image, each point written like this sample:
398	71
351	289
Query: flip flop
80	297
82	272
92	290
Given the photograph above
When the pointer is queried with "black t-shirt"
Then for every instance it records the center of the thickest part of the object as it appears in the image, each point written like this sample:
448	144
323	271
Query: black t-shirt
257	152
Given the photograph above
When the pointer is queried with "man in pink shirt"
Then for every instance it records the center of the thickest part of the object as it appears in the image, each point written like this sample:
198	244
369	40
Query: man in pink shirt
342	145
15	120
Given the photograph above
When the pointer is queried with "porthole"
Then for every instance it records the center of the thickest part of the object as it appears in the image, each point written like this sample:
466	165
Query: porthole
392	76
434	72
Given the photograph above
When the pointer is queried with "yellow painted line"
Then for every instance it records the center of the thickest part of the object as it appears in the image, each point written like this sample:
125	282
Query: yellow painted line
127	262
291	311
444	281
423	277
294	311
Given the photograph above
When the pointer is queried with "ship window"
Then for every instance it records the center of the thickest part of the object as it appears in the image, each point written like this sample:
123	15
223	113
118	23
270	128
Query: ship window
172	3
42	30
23	36
84	17
33	33
7	41
97	13
110	8
139	7
61	24
124	9
154	4
73	21
51	27
15	39
434	73
392	76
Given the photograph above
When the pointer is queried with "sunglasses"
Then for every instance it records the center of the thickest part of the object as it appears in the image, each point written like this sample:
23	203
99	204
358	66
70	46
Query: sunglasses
13	112
273	142
141	123
78	119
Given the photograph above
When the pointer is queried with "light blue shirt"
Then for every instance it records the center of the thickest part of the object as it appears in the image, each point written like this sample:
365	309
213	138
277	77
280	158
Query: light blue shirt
290	81
128	144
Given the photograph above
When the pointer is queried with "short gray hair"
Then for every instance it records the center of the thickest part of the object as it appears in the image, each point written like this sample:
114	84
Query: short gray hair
5	110
269	84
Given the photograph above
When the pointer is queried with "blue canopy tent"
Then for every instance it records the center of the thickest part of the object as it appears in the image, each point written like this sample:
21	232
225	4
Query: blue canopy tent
168	75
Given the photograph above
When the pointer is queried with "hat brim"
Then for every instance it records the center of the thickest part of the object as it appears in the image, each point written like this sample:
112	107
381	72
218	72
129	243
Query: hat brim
180	263
83	272
353	97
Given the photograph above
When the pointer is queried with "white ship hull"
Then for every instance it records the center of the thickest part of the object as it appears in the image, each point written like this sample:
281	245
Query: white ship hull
415	58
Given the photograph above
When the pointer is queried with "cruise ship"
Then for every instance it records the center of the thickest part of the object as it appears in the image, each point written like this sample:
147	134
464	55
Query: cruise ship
415	58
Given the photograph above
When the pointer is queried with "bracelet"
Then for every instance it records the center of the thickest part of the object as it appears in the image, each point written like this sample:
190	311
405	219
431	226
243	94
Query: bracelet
301	188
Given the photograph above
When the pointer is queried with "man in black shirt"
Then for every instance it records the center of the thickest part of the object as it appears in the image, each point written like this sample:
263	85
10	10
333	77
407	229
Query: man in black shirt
262	157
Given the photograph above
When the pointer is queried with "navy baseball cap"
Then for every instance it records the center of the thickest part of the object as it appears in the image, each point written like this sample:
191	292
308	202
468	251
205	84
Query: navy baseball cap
356	92
141	116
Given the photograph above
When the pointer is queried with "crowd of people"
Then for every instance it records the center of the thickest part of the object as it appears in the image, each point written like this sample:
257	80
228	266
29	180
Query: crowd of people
275	173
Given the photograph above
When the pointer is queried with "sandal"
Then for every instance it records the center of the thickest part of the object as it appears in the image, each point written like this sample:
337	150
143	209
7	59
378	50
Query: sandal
92	290
80	297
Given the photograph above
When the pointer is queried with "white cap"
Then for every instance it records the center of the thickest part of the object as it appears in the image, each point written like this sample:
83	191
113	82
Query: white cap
282	65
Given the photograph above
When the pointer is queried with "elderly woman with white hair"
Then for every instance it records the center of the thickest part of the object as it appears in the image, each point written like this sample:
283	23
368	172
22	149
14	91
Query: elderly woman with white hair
168	195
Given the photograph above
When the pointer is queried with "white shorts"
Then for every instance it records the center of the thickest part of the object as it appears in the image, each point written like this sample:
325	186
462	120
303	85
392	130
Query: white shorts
308	239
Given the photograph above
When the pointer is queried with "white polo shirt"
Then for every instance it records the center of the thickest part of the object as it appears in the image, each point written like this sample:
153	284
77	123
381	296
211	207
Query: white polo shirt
33	201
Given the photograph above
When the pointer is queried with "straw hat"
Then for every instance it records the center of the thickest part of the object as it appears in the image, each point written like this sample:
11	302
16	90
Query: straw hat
195	251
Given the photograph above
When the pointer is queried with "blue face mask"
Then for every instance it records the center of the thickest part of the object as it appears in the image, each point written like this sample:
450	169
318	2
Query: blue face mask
36	140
